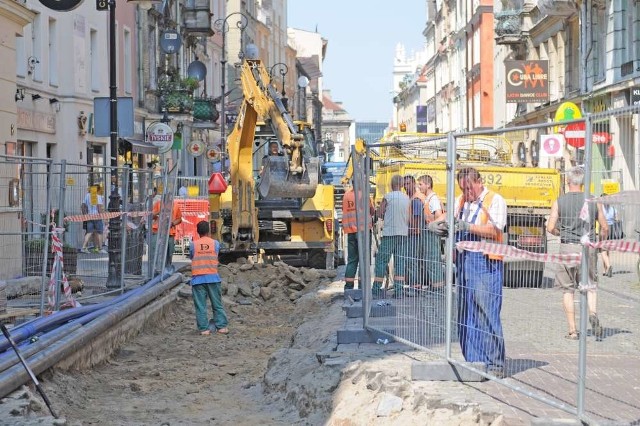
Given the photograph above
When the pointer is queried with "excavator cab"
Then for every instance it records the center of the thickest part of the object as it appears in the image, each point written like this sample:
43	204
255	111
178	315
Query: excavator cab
297	173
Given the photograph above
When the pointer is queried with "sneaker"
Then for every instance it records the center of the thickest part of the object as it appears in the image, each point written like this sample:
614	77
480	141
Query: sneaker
84	250
103	251
95	250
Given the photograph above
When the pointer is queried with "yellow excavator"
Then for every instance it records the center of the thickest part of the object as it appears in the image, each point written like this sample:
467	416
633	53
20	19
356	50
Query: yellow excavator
283	211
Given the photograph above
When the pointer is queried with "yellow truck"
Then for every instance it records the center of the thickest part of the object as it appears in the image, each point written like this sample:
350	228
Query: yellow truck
528	192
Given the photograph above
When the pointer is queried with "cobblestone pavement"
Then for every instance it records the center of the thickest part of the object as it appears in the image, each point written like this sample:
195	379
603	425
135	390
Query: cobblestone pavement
540	360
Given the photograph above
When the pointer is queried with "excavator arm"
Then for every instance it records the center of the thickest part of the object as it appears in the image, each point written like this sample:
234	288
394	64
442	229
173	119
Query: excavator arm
290	176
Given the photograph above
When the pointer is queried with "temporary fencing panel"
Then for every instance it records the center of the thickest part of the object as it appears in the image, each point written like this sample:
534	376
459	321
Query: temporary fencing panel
56	239
512	308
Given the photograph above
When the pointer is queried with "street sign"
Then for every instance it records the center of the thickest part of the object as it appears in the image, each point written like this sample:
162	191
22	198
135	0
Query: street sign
574	134
551	145
102	5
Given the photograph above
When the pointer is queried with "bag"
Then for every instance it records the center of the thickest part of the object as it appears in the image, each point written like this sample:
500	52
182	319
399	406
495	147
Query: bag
616	232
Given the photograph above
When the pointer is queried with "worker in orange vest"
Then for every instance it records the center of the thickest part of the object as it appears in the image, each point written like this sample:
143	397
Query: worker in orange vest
206	282
350	228
481	215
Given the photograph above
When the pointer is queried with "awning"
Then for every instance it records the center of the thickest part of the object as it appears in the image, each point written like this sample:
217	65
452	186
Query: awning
138	146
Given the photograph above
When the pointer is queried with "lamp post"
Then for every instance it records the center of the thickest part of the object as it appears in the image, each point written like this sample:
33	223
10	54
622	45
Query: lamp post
114	278
284	69
223	26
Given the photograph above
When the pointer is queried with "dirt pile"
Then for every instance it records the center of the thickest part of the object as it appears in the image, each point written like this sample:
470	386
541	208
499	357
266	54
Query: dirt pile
171	375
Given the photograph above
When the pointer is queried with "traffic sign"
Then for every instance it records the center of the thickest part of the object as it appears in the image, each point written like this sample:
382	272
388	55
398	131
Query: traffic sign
102	5
574	134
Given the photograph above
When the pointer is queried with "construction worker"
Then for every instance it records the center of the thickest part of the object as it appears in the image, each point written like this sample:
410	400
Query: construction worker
350	228
205	281
394	209
481	215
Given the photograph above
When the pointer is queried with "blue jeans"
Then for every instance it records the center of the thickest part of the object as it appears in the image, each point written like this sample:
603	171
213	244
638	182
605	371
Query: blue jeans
214	292
479	303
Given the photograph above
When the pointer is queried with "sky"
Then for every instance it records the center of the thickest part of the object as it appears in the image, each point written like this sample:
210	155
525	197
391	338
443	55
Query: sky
362	36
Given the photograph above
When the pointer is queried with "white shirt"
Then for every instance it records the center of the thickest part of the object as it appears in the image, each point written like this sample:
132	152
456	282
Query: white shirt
434	202
497	210
182	192
93	208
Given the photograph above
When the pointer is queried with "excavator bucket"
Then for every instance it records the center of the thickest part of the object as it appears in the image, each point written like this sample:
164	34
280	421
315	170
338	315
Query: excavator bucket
278	181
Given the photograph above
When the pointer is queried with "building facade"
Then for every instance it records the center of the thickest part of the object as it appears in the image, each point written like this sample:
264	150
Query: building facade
336	128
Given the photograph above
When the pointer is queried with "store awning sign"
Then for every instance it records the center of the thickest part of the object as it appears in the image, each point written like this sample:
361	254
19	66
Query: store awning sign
527	81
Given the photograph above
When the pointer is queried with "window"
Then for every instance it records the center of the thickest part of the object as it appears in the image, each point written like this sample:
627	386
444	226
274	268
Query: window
127	62
53	52
600	27
36	72
94	59
21	57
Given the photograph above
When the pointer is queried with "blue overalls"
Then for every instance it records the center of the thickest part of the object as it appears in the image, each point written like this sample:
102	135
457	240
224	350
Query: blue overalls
479	302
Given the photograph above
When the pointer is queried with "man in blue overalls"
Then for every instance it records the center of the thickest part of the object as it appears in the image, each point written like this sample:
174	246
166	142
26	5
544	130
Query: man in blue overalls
481	215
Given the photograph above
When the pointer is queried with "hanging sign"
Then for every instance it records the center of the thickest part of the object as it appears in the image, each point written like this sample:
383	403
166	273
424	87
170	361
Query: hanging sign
213	154
196	148
61	5
160	135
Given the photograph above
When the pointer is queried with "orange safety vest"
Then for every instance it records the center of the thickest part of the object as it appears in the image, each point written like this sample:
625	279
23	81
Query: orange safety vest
484	219
175	214
205	257
349	222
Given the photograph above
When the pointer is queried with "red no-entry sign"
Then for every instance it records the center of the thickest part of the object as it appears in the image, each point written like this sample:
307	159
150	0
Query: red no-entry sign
574	134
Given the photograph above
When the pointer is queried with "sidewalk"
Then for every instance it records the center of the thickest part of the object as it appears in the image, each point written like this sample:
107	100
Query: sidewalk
539	359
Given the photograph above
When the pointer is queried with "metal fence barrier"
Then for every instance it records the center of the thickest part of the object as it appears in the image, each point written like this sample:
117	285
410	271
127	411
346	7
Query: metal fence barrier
60	246
502	295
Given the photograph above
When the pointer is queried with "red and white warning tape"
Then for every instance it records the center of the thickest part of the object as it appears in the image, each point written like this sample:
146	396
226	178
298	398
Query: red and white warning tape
58	265
565	258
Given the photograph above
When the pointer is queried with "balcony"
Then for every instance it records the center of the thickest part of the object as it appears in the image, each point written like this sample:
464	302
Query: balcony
196	16
562	8
508	27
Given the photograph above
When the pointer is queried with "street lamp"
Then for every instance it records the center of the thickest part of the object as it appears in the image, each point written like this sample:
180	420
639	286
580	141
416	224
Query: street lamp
284	69
113	280
115	276
223	26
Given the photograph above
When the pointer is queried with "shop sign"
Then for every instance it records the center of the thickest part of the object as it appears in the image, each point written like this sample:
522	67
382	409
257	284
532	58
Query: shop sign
635	95
527	81
160	135
38	121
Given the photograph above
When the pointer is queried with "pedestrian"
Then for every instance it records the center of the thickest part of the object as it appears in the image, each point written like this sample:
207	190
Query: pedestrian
433	212
206	282
615	233
567	221
394	209
351	227
481	215
93	204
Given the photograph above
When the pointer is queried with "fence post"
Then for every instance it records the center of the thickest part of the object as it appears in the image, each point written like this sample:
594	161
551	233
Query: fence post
45	249
60	216
149	220
450	247
125	220
584	275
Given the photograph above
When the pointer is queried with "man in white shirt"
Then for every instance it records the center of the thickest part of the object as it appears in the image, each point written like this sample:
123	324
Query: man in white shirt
93	204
